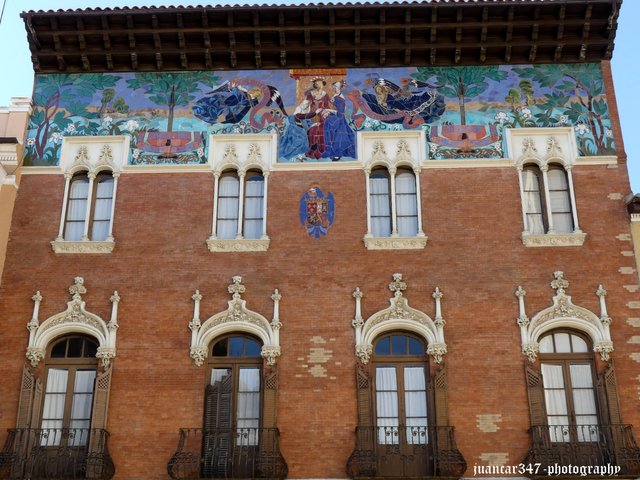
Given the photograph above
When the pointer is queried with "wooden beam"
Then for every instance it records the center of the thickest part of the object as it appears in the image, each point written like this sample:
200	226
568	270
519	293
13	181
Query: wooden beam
407	36
586	30
383	37
233	60
282	37
356	36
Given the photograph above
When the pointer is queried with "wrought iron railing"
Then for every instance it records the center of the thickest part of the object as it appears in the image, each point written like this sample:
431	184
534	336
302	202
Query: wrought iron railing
228	453
416	451
584	445
56	453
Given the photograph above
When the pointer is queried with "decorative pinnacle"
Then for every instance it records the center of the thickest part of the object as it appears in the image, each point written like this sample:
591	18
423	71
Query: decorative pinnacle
276	297
237	289
601	292
520	292
397	286
37	297
78	288
196	297
357	293
437	293
559	284
115	298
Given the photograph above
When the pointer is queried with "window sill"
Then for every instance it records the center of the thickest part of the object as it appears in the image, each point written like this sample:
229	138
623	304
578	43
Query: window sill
575	239
395	243
238	245
82	246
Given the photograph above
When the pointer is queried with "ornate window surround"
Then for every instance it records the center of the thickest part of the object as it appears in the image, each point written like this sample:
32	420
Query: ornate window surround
399	316
372	148
75	319
564	314
92	155
559	147
241	153
237	318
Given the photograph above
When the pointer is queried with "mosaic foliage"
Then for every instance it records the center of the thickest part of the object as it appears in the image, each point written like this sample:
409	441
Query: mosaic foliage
316	113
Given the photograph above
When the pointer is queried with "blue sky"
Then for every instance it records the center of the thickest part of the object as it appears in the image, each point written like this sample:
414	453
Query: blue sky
17	79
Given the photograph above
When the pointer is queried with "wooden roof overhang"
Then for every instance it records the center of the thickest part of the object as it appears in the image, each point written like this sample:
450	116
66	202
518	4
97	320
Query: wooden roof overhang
436	32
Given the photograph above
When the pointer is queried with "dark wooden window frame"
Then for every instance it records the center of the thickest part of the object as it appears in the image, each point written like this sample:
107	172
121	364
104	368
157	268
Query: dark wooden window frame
379	170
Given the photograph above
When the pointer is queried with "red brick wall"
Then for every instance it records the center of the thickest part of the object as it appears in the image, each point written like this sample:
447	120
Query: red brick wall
474	254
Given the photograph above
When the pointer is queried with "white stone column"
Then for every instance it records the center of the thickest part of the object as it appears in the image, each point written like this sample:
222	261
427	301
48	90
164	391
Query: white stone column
216	184
65	200
574	211
547	198
522	199
394	221
265	175
87	216
416	172
241	175
116	175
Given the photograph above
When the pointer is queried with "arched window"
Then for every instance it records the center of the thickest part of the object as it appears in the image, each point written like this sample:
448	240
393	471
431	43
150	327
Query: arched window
380	202
546	199
401	372
233	408
240	206
568	376
406	203
71	367
89	207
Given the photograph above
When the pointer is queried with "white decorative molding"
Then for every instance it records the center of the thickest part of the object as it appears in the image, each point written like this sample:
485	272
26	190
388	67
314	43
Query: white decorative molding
564	314
553	239
242	152
395	243
635	217
392	149
75	319
399	316
94	153
238	245
82	246
542	145
237	318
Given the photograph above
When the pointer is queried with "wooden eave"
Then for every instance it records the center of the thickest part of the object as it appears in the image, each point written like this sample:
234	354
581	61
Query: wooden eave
436	32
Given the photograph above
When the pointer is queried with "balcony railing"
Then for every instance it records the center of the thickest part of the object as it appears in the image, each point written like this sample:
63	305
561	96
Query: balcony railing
405	452
228	453
56	453
584	445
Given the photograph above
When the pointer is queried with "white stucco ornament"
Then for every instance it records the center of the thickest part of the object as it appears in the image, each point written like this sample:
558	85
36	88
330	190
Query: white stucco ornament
399	316
564	314
237	318
75	319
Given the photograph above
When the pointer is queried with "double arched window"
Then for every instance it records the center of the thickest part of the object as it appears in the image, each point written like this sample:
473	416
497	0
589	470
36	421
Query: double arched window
240	205
88	212
393	203
547	200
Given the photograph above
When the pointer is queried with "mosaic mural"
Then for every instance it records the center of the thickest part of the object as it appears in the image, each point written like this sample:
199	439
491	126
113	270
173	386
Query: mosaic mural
316	113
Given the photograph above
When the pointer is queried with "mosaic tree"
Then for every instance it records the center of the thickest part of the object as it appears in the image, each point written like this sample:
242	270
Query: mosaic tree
51	92
170	89
460	82
578	94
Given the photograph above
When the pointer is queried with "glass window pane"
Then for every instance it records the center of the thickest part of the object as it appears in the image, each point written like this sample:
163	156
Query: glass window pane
218	374
415	347
220	348
90	348
581	376
57	380
414	379
555	402
252	348
236	346
399	345
380	204
59	350
249	380
81	406
84	381
415	404
557	179
546	344
584	402
383	347
75	347
563	344
552	376
578	344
